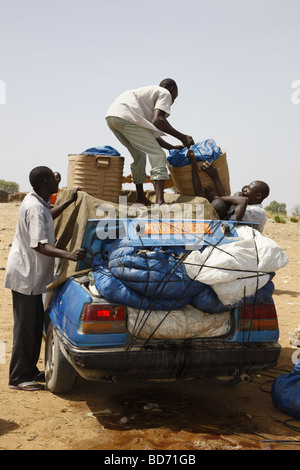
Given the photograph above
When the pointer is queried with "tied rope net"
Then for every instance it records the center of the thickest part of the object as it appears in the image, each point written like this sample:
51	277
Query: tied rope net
143	314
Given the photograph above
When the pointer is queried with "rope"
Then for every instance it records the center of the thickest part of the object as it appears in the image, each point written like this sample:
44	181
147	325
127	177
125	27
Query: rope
241	433
143	315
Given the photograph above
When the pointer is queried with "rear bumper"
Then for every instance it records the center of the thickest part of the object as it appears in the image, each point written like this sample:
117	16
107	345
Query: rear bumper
170	360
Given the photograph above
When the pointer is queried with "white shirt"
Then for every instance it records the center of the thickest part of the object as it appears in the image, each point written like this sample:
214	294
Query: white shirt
254	213
137	106
28	271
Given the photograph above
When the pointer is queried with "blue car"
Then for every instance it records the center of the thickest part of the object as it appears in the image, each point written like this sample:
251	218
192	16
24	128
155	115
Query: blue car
89	330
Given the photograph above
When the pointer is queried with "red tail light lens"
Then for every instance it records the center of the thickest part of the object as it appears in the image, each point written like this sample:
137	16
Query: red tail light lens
95	312
98	318
259	317
259	311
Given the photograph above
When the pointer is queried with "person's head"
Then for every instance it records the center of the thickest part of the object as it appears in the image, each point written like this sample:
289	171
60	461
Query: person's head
170	85
57	176
42	180
220	207
256	192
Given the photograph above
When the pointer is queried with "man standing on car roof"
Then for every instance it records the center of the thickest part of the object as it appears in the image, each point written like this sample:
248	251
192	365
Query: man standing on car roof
29	270
138	118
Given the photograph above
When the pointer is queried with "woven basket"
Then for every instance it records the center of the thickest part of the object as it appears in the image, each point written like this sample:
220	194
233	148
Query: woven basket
182	176
100	176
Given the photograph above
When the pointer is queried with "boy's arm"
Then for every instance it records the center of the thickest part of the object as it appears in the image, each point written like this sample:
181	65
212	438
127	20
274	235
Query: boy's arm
49	250
240	203
212	171
198	190
56	211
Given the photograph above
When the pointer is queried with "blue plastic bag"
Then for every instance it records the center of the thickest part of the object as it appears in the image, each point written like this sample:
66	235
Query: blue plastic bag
286	392
158	273
115	290
105	150
207	150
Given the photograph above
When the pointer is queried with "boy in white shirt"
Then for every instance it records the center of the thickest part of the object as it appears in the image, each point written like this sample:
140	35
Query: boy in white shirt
245	205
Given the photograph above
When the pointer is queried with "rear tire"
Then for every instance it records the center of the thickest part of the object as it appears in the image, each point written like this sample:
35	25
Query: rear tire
60	375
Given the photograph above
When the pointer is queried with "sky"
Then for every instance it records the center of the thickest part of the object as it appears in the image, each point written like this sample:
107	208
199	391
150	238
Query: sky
236	63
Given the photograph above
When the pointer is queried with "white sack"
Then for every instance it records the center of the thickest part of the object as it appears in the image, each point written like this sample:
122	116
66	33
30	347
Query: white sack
188	322
231	293
237	269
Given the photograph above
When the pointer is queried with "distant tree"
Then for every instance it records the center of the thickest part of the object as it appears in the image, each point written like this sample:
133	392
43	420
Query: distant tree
296	211
276	207
9	186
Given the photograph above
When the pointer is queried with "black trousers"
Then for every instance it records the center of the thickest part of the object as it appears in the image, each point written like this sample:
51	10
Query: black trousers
27	337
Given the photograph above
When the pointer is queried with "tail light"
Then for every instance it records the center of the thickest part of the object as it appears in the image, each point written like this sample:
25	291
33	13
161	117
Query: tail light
99	318
259	317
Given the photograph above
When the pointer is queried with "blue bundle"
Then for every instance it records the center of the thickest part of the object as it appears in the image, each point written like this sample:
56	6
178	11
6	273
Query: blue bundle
156	280
286	392
137	278
105	150
207	150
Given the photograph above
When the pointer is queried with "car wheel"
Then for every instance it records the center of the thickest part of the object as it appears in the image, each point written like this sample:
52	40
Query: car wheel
60	375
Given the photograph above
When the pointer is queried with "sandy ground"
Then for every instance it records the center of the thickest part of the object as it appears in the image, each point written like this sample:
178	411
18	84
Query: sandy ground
193	415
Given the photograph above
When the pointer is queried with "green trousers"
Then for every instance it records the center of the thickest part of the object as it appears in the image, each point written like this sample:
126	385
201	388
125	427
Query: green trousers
140	142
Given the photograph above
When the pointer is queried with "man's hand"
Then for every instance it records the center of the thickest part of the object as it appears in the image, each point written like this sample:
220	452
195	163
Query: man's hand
210	169
187	141
73	196
77	255
191	156
57	210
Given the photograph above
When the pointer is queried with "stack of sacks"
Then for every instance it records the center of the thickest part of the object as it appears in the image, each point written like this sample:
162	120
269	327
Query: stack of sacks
239	269
155	280
186	323
212	280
